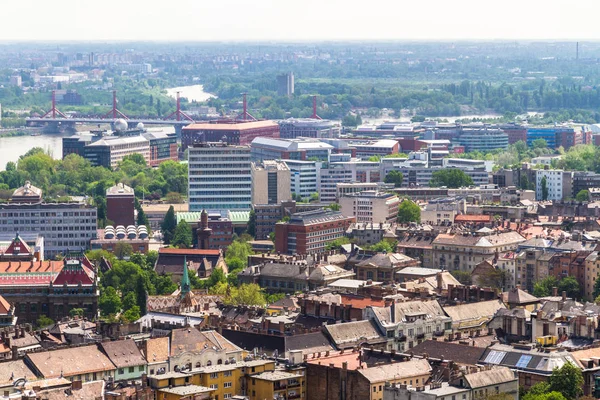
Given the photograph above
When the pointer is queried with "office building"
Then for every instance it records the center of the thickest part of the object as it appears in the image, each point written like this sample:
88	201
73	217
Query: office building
514	132
292	128
219	177
267	215
285	84
486	139
109	151
370	206
64	226
120	205
270	182
264	148
234	133
345	188
380	148
163	147
309	232
555	136
304	177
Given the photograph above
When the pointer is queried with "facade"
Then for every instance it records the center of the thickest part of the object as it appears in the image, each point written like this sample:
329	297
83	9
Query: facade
219	177
409	323
86	363
278	385
380	148
64	226
234	133
548	134
345	172
304	178
267	215
465	252
50	288
383	267
266	148
109	151
555	136
370	206
285	84
120	205
309	128
129	362
201	261
558	181
515	133
271	182
483	139
345	188
310	231
163	147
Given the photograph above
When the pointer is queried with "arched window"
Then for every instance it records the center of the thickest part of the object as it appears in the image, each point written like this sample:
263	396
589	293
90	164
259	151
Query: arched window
209	363
198	365
220	361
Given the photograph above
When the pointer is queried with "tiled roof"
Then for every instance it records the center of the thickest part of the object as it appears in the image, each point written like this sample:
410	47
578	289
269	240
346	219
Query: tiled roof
69	362
459	353
350	334
157	349
473	314
399	370
123	353
13	370
494	376
4	305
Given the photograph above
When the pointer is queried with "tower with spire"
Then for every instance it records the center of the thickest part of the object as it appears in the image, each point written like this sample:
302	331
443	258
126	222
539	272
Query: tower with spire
185	280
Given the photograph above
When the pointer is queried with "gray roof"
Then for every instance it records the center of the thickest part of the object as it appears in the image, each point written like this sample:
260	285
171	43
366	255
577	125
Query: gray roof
431	309
350	334
494	376
399	370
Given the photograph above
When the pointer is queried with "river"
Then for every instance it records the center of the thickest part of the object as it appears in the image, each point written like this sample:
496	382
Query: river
11	148
192	93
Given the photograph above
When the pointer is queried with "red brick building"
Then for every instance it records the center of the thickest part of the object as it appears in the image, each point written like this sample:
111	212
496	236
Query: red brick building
120	205
234	132
309	232
568	138
515	133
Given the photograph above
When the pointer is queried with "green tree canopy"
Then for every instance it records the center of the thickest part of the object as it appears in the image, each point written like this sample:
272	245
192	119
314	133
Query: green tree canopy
109	302
238	250
395	177
409	211
168	225
583	195
567	380
451	178
545	190
182	236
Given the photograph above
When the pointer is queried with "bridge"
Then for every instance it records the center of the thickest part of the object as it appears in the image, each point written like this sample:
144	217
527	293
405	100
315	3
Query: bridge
54	120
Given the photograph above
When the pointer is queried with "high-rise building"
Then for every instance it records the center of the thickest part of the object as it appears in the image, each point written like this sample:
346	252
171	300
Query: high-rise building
304	177
219	177
270	182
285	84
120	205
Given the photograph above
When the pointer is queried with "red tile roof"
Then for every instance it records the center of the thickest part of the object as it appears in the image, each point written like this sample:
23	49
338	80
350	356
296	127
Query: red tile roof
4	306
362	303
472	218
182	252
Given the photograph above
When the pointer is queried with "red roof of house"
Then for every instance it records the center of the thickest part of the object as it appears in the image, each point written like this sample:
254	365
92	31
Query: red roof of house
4	306
182	252
362	303
472	218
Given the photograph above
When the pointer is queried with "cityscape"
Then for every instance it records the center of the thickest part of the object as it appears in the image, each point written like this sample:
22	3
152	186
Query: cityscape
250	214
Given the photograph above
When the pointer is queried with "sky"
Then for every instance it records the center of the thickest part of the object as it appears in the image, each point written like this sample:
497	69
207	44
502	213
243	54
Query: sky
296	20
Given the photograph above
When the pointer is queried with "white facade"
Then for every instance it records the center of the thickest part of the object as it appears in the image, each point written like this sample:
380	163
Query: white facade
303	177
370	206
554	179
219	177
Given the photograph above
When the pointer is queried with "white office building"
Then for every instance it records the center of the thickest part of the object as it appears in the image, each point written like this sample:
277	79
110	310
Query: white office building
559	183
303	177
219	177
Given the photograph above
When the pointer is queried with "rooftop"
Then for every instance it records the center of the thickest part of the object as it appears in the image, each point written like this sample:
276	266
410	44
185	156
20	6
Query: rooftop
276	376
120	189
237	126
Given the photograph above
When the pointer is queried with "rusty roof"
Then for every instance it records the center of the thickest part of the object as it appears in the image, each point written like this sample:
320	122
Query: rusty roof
69	362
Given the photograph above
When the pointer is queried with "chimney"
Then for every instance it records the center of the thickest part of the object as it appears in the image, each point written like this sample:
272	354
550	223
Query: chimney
15	352
440	281
393	311
564	295
554	291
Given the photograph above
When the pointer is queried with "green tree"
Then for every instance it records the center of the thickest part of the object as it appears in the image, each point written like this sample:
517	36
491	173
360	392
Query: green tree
43	321
129	301
570	285
541	391
76	312
543	288
383	246
395	177
168	225
238	250
463	277
337	243
109	301
131	315
123	250
174	198
409	211
451	178
216	277
142	218
314	197
183	236
252	224
567	380
583	195
544	188
539	144
334	207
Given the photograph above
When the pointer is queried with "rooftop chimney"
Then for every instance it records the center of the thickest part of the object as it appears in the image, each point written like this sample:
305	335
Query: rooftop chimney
554	291
564	295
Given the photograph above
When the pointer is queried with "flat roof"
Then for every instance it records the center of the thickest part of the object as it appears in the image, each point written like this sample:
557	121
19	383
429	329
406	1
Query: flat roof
231	126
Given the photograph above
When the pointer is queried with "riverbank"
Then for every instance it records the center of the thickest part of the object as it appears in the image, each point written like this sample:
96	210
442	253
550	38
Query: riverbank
191	93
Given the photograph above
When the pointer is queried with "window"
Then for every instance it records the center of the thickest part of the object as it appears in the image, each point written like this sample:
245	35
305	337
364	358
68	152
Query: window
141	368
214	386
374	389
227	385
214	375
131	369
227	373
121	371
227	396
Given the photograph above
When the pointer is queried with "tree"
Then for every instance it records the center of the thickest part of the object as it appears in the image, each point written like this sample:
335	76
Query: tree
395	177
451	178
383	246
238	250
183	236
168	225
142	218
567	380
76	312
109	301
252	224
544	188
215	277
337	243
544	287
174	198
539	144
43	321
541	391
463	277
131	315
409	211
334	207
314	197
123	250
583	195
570	285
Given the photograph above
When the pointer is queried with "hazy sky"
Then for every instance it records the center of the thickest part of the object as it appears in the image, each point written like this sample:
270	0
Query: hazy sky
285	20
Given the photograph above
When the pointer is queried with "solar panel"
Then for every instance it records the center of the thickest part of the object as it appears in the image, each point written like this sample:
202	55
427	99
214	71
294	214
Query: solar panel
523	361
495	357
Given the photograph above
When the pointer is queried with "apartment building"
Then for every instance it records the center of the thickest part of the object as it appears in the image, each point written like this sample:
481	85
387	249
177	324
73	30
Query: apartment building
559	184
304	177
370	206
